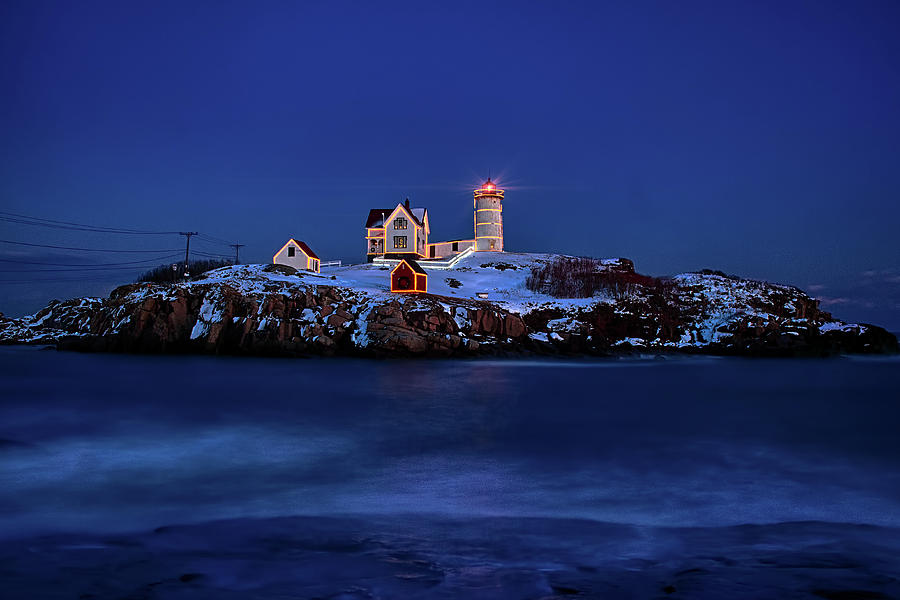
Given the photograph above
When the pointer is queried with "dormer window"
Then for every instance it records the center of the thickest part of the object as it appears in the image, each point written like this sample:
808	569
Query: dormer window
400	223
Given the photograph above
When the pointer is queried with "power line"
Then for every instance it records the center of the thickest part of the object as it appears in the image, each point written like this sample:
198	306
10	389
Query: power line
135	268
54	280
56	224
84	249
11	217
211	255
213	246
77	269
99	268
213	239
70	227
51	264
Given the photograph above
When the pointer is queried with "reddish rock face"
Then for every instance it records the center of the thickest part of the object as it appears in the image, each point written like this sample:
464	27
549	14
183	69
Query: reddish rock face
514	327
658	315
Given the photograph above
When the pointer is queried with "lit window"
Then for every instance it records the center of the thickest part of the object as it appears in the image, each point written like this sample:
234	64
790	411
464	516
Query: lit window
400	223
399	241
291	251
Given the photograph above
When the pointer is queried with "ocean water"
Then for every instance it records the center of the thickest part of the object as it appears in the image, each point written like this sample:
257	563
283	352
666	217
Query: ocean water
457	471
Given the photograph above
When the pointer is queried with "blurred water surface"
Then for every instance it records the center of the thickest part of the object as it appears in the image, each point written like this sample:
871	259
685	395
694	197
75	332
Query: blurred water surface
115	443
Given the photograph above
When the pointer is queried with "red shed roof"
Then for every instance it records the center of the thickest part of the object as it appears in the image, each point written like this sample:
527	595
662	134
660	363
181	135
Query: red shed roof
306	249
416	267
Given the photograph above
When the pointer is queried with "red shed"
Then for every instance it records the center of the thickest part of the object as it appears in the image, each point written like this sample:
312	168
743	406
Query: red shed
409	277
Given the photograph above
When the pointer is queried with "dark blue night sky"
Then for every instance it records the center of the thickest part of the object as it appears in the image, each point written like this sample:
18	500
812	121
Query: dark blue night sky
759	138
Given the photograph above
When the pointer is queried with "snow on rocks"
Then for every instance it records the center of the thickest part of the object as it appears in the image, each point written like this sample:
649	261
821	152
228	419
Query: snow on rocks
841	326
255	309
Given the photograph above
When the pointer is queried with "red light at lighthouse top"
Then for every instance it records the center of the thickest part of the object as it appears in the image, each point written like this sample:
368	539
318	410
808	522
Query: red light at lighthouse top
489	188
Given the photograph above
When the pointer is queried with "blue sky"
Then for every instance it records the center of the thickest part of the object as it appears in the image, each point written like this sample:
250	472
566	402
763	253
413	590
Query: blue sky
759	138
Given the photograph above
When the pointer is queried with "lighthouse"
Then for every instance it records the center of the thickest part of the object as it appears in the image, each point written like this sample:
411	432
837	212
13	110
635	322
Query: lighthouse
489	218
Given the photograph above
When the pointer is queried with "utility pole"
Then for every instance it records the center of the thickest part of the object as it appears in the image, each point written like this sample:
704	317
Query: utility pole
187	248
237	248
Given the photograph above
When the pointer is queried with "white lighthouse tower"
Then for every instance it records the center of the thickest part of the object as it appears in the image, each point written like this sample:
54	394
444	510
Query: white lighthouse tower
489	218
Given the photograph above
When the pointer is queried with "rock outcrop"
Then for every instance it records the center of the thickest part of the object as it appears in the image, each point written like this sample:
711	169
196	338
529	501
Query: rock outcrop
249	311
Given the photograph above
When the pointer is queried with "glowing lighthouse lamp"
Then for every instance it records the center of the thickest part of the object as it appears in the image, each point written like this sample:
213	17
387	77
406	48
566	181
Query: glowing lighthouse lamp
489	218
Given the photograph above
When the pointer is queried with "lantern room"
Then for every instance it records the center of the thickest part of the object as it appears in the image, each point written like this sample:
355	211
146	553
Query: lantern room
489	188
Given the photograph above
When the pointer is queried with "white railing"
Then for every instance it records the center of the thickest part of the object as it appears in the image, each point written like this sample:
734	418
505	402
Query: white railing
330	263
429	264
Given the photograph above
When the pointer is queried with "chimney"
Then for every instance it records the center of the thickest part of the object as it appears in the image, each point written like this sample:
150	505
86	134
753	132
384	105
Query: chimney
407	204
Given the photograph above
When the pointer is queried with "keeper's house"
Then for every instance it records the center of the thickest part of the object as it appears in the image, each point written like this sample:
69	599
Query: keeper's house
297	254
397	232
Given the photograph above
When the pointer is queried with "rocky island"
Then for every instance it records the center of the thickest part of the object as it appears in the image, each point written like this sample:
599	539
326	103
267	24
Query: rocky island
507	304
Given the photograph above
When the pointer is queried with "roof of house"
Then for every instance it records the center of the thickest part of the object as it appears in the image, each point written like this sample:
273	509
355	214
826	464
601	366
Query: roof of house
419	214
306	249
377	215
416	267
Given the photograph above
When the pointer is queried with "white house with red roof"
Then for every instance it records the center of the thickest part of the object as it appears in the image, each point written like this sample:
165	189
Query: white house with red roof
296	253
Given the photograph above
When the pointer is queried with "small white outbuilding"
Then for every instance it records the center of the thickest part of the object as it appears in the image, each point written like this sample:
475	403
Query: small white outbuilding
297	254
